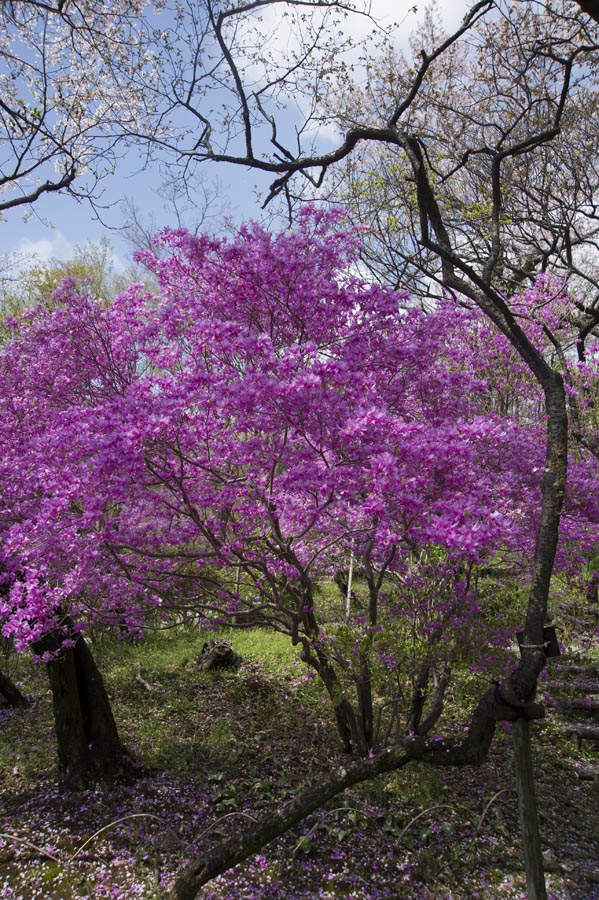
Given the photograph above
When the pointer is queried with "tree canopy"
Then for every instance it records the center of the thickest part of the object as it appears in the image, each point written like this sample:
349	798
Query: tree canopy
222	445
266	415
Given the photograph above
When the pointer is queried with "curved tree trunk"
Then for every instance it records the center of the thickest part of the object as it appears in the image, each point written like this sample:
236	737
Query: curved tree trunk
89	747
469	751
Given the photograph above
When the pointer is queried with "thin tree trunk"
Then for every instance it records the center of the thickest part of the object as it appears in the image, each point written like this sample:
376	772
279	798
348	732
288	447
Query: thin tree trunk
365	705
349	724
418	697
527	808
355	729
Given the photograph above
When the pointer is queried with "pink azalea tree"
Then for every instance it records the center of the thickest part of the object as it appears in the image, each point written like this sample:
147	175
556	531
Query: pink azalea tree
224	445
52	375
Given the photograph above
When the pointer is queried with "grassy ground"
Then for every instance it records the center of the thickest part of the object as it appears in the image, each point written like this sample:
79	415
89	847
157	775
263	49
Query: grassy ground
217	749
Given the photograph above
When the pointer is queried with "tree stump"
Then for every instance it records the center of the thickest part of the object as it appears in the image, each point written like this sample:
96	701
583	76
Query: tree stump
218	654
10	693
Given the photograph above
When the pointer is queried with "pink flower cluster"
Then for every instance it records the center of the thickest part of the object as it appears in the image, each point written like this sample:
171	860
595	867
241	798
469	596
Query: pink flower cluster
267	409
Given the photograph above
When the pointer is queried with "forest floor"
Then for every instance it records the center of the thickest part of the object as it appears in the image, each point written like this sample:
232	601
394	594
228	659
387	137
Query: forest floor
219	748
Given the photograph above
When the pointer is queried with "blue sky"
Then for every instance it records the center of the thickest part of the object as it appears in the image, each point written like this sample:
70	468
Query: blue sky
58	222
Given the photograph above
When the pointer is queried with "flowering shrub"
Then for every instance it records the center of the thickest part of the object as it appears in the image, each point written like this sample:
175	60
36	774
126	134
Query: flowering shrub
225	444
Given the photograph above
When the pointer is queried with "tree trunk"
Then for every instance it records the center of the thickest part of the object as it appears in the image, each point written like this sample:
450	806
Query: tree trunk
365	706
527	809
89	747
340	708
11	693
355	729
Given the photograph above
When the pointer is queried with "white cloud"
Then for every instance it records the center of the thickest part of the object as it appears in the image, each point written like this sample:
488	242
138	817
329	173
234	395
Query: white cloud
280	33
44	249
388	12
269	41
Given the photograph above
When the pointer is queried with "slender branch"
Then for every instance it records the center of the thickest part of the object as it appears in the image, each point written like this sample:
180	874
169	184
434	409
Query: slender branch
473	15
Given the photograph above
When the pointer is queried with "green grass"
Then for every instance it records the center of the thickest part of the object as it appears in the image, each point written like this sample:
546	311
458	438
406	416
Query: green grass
264	687
269	648
167	650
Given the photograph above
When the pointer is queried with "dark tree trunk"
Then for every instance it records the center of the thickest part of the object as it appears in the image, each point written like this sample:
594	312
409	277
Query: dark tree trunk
365	706
527	809
11	693
522	682
89	747
354	728
418	698
340	709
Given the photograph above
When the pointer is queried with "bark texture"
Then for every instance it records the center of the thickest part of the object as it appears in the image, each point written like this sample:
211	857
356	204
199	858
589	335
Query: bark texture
527	809
88	744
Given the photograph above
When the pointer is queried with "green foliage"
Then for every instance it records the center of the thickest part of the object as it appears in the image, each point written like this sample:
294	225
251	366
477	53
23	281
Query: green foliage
92	267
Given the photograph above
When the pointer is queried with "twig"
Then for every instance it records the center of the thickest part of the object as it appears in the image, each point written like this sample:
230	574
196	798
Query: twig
488	806
425	812
20	840
118	822
222	818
